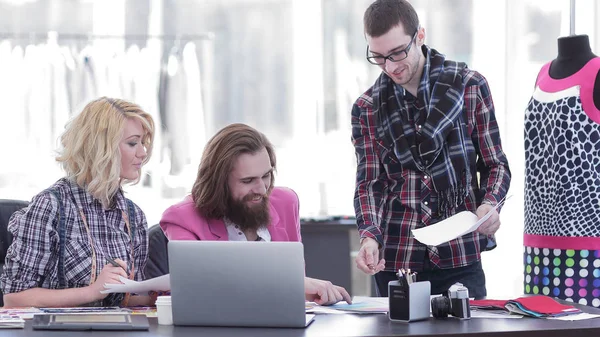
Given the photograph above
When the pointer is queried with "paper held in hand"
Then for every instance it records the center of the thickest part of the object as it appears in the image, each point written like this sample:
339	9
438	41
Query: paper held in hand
453	227
161	283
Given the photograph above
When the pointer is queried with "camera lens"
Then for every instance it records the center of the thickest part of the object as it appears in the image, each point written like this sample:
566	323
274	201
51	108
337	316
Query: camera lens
440	306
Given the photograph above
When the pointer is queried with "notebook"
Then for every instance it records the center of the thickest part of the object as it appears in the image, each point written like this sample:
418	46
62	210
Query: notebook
534	306
540	306
237	283
8	321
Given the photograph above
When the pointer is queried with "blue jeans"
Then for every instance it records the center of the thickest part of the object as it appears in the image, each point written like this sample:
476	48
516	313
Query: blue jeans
471	276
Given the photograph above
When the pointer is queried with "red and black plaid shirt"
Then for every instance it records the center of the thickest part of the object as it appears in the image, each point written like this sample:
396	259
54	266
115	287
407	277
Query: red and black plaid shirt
390	201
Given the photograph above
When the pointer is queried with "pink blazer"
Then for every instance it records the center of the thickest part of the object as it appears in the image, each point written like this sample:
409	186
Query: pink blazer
183	222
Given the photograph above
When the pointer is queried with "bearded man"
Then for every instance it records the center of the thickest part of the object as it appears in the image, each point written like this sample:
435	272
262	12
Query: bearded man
234	199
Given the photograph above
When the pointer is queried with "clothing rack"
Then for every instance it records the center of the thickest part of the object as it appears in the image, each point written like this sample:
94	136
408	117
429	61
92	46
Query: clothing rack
71	36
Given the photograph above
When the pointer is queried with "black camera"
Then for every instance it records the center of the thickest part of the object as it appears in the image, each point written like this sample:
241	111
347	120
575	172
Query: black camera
455	304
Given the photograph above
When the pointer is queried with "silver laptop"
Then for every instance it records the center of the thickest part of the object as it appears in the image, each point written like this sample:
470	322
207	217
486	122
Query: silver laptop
235	283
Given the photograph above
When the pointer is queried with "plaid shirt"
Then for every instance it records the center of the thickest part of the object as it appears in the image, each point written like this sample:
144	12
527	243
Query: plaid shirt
32	258
390	200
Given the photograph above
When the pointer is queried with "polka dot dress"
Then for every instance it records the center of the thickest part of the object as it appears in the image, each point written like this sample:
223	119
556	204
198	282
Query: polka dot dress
562	188
568	274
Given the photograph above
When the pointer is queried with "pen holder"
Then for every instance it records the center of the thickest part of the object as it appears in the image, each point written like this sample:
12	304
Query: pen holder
409	302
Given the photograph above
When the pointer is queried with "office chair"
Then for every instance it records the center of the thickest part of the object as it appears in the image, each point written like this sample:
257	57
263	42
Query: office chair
158	255
7	208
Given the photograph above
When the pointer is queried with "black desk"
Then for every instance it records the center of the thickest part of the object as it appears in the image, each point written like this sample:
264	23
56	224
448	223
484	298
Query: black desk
365	325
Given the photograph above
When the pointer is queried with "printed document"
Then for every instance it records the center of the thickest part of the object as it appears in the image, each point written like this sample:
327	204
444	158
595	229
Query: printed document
161	283
452	228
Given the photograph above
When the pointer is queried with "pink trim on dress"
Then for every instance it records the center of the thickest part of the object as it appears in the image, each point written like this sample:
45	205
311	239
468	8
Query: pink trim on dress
584	78
561	242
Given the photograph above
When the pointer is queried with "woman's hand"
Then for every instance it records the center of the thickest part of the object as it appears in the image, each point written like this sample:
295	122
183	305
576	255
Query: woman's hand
109	274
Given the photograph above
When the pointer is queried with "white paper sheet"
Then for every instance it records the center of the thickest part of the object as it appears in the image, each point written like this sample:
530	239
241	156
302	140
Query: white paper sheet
360	305
161	283
575	317
493	314
320	309
452	228
364	305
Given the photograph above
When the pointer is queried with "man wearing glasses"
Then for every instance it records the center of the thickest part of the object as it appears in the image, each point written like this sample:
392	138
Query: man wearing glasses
427	146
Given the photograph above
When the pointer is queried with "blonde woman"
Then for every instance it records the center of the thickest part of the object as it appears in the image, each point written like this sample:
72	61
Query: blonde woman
64	240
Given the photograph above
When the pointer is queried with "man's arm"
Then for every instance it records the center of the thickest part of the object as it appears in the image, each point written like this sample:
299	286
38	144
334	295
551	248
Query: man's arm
172	225
491	163
371	190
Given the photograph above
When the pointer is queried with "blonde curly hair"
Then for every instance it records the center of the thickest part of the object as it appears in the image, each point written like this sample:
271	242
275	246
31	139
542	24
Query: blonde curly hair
90	152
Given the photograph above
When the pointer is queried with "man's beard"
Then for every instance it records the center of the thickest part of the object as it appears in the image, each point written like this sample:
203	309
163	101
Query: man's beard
249	216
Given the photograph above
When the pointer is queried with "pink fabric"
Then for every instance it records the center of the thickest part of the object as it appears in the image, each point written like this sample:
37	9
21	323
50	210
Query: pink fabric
182	222
584	78
561	242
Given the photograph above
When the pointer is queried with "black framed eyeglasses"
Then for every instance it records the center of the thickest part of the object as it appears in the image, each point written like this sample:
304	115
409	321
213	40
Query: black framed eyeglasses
396	56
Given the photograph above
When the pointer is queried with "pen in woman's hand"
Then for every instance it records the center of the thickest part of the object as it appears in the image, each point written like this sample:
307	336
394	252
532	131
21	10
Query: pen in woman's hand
114	263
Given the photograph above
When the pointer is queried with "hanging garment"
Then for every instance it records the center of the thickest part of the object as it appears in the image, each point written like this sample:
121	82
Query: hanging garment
144	76
196	125
8	116
146	93
183	109
59	98
38	106
16	103
132	63
83	81
562	188
176	113
114	74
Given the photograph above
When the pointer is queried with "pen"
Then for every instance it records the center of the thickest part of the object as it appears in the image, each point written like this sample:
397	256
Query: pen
114	263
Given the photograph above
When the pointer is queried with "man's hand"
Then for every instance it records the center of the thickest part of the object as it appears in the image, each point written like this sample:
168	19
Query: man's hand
491	225
324	292
368	257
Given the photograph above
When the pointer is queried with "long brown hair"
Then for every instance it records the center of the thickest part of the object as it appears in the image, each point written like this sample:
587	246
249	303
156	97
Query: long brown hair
211	190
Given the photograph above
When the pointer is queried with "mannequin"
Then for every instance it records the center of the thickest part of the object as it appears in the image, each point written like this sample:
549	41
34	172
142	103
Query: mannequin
573	53
561	236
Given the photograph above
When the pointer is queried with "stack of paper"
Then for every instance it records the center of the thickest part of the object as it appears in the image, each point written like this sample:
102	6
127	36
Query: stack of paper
11	322
148	311
161	283
314	308
540	306
365	305
360	305
488	304
82	310
24	313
